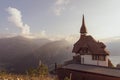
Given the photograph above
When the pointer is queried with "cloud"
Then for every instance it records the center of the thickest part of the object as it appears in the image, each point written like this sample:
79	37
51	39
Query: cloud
7	35
16	18
72	38
6	29
42	34
60	6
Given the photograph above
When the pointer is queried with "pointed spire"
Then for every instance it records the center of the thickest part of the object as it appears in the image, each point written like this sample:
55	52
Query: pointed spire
83	29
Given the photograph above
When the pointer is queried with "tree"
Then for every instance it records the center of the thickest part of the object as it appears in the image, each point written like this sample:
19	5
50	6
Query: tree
43	70
66	78
32	72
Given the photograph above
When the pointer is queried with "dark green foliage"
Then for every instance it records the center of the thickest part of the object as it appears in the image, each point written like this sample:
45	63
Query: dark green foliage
41	70
32	72
3	72
66	78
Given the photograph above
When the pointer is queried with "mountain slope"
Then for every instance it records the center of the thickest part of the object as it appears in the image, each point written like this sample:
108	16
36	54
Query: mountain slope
17	54
54	52
16	49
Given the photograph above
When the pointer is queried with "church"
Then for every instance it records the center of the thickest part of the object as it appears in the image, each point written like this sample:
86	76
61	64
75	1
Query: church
90	62
88	50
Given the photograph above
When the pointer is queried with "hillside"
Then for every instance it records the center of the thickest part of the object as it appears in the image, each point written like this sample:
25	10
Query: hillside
17	54
54	52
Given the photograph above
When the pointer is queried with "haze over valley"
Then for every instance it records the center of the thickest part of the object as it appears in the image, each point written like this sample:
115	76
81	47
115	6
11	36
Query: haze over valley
19	53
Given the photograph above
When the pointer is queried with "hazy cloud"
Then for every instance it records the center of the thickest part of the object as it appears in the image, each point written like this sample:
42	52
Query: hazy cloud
16	18
60	6
72	38
6	29
7	35
42	34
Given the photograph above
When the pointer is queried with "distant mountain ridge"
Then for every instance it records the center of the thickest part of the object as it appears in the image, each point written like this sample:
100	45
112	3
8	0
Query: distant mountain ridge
17	54
54	52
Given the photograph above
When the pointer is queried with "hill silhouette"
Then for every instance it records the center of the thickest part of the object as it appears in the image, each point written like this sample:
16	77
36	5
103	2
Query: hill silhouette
17	54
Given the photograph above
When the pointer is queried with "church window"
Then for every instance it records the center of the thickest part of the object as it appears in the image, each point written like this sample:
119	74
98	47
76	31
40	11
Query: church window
98	57
84	50
102	58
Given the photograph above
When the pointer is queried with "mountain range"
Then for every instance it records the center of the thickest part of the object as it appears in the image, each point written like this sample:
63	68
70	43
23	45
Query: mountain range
18	54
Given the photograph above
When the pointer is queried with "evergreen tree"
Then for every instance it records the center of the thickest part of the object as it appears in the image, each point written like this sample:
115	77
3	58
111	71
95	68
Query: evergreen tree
43	70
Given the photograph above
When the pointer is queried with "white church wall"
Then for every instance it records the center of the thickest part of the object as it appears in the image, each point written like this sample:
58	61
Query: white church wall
87	59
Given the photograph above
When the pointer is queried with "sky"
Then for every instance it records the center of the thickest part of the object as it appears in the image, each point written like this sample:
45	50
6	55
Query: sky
59	18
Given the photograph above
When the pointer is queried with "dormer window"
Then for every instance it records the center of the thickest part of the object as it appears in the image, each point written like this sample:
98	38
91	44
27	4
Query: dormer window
83	50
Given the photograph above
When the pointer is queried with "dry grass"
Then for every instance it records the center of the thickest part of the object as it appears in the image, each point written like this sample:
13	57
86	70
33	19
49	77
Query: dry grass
25	77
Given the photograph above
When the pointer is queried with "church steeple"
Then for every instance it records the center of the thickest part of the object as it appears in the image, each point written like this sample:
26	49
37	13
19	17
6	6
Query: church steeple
88	50
83	29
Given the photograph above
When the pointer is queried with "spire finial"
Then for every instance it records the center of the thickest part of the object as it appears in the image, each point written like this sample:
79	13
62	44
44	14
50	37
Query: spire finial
83	21
83	29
